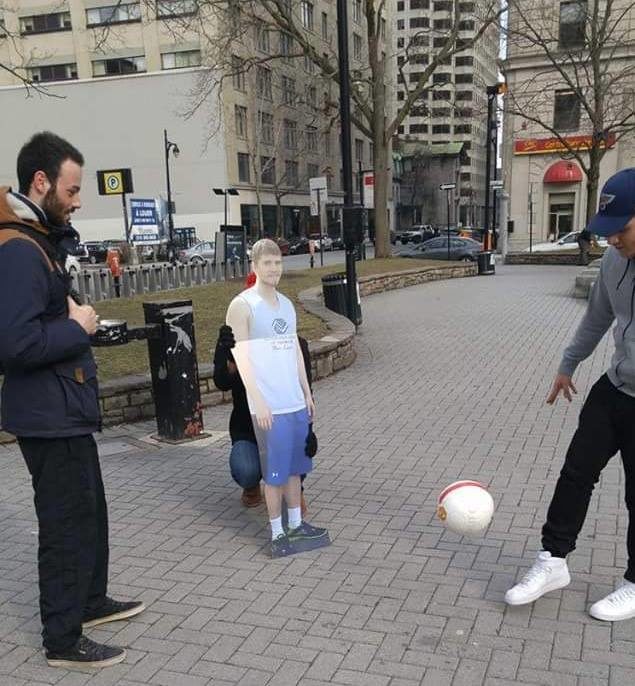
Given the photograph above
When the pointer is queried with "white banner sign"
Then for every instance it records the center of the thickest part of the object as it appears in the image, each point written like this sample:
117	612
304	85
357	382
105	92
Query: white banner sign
369	190
319	194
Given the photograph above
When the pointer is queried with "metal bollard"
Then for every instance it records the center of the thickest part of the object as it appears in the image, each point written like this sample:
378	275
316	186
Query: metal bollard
174	369
169	330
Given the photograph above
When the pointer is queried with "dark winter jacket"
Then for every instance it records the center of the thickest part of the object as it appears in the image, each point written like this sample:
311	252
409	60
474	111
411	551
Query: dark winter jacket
50	376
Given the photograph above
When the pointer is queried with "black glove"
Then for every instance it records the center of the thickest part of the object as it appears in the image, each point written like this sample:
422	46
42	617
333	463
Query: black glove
311	446
226	337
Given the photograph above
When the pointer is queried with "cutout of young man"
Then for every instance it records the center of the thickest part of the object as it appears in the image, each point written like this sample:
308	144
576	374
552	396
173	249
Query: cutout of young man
50	401
607	419
270	363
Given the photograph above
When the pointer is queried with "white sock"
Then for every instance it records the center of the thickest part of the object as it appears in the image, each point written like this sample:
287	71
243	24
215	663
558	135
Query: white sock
295	517
276	528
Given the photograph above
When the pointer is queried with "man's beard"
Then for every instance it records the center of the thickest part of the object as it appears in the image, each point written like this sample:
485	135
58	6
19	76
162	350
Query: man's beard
53	208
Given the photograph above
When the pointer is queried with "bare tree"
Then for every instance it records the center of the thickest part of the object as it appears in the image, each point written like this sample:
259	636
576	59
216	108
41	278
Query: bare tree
583	54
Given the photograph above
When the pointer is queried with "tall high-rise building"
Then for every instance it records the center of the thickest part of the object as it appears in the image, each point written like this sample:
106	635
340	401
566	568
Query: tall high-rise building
454	106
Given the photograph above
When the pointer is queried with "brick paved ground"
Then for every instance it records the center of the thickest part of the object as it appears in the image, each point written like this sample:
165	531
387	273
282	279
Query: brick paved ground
450	383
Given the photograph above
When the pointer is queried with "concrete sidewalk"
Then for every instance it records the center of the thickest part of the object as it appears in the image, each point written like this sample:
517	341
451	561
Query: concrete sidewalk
449	383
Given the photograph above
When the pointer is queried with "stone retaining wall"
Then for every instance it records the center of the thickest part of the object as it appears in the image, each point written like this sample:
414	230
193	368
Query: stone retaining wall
565	257
130	398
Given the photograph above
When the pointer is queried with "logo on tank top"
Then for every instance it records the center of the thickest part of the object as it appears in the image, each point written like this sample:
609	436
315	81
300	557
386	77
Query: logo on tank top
280	326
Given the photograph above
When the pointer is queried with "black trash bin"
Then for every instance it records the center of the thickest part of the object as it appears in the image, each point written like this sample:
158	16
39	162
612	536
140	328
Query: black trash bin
335	294
486	263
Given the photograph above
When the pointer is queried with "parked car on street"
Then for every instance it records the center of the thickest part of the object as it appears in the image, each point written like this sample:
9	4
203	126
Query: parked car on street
416	234
568	242
299	245
198	253
461	249
95	251
338	243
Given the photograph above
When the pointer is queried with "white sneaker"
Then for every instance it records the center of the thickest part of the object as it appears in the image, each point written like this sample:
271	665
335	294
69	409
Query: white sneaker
617	605
547	574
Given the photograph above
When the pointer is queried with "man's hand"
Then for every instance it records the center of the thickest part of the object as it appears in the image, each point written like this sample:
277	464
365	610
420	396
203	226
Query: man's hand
310	407
84	315
264	418
562	383
226	337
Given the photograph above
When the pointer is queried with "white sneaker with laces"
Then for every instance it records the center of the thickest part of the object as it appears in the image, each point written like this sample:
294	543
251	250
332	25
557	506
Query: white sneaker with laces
547	574
617	605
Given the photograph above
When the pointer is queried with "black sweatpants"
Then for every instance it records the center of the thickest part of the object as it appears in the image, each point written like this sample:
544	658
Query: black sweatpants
73	533
607	424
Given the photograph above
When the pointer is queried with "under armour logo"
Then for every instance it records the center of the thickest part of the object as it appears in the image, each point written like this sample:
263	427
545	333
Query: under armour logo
274	475
280	326
605	200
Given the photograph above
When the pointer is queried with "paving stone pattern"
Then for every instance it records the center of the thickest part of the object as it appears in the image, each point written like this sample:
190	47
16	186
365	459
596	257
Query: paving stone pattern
449	383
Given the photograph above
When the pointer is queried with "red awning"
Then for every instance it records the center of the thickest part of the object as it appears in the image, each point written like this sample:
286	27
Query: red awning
563	172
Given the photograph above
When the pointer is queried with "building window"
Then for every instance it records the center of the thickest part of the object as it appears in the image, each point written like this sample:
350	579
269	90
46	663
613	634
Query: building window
400	5
309	65
442	24
466	7
262	37
312	170
419	111
441	112
238	73
268	170
420	40
265	121
263	82
291	171
441	95
240	121
418	128
46	23
325	26
357	46
401	24
464	61
311	96
441	128
120	65
311	138
566	111
167	9
464	78
573	17
441	78
443	6
463	128
466	25
181	60
359	150
290	129
464	95
419	23
52	72
243	167
286	46
288	90
114	14
357	11
419	4
306	8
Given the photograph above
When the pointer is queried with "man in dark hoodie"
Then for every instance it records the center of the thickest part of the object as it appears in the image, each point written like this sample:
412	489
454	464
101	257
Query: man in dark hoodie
607	420
50	401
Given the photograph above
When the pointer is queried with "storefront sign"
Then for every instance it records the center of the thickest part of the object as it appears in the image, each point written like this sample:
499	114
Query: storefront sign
544	146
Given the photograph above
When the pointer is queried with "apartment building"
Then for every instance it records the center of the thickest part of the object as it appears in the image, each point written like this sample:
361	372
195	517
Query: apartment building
453	109
145	61
546	183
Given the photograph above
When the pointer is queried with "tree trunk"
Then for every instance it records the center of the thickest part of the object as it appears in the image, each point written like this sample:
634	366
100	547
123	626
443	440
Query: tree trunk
259	226
279	226
592	183
382	181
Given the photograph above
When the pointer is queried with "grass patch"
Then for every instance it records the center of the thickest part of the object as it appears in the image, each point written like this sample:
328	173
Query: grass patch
210	305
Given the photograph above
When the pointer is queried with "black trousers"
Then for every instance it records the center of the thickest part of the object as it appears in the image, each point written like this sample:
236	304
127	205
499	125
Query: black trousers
73	533
606	426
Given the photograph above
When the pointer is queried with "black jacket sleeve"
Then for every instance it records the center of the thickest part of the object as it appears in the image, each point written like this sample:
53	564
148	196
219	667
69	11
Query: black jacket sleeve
223	378
27	339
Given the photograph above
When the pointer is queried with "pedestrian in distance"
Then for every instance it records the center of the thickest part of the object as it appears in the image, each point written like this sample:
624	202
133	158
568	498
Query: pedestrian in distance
50	401
607	420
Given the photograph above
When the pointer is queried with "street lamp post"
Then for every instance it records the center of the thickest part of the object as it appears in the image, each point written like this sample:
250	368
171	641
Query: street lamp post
167	146
225	192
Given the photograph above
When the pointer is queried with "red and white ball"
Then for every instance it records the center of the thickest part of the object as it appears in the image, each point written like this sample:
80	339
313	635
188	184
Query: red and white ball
466	507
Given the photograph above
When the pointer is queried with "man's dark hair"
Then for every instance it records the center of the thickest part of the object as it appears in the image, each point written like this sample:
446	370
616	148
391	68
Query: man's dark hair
44	152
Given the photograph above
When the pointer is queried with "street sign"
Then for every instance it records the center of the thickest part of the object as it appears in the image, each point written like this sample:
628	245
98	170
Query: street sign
318	186
114	181
447	186
369	189
496	184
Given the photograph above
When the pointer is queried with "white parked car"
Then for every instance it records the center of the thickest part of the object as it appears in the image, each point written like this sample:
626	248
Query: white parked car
73	267
567	242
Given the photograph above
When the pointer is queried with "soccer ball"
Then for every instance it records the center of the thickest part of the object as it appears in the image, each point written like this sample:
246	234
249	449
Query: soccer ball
465	507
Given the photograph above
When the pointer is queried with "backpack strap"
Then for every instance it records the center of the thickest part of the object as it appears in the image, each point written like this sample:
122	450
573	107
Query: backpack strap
7	235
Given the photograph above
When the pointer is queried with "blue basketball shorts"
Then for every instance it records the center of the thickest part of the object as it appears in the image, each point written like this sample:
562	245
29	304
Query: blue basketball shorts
282	448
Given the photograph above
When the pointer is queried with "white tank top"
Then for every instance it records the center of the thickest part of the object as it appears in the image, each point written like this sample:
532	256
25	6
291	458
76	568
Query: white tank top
273	352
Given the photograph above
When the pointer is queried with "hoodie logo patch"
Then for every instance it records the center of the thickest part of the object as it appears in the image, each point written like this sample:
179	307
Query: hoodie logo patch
605	200
280	326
